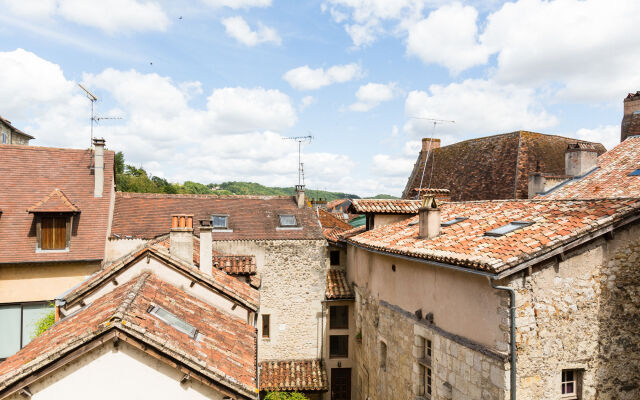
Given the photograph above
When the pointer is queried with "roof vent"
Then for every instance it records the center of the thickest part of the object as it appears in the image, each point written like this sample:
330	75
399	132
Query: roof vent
429	218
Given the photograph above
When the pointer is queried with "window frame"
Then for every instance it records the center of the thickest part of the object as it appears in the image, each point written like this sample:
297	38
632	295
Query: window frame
425	370
331	257
333	351
332	317
226	221
268	325
295	221
575	381
507	228
4	137
68	227
22	304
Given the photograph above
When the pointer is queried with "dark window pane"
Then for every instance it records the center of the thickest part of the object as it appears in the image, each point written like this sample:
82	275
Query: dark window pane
338	346
334	255
265	325
339	317
219	221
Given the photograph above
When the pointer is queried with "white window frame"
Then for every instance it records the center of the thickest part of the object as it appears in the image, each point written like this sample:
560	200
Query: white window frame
425	368
295	221
226	221
574	381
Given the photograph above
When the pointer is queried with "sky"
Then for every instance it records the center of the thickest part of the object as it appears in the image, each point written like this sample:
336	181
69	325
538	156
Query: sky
209	90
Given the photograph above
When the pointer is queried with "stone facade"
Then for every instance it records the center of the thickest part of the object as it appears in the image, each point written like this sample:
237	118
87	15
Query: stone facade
9	136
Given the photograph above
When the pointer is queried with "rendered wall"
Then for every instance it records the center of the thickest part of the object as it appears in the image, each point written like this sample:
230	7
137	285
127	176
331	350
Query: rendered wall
351	331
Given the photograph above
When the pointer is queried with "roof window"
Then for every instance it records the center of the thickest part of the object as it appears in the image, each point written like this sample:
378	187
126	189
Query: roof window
635	173
453	221
174	321
510	227
288	220
219	221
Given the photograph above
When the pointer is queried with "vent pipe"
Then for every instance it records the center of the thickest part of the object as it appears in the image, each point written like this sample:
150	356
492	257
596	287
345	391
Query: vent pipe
206	247
181	237
98	167
429	218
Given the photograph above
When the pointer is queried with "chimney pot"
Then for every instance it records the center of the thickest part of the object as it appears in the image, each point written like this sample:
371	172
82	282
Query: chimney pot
98	167
580	158
181	237
206	247
300	196
429	218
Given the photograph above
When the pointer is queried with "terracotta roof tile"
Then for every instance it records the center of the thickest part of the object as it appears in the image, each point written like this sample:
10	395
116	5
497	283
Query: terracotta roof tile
465	243
27	175
384	206
56	201
225	353
337	285
147	215
293	375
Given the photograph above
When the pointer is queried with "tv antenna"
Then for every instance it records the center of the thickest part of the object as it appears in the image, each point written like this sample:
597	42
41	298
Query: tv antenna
93	98
433	131
300	140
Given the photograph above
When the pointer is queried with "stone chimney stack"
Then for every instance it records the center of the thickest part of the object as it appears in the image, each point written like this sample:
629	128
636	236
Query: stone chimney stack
181	237
630	125
429	218
580	158
300	196
98	167
537	183
435	143
206	247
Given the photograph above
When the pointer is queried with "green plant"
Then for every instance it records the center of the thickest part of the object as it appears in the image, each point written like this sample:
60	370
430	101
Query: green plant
285	396
44	323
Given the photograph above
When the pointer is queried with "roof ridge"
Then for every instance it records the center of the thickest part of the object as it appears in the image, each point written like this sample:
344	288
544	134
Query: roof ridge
131	296
199	195
48	148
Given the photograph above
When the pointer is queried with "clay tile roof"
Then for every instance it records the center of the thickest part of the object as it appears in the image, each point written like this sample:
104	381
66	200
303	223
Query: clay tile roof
293	375
332	226
56	201
337	285
610	180
224	354
492	167
30	173
384	206
554	223
148	215
352	232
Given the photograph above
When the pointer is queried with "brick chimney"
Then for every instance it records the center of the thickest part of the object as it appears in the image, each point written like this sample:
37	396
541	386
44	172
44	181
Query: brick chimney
580	158
300	196
206	247
435	143
630	125
181	237
429	218
98	167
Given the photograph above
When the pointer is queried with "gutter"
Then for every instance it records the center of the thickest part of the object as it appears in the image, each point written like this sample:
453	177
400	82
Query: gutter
512	331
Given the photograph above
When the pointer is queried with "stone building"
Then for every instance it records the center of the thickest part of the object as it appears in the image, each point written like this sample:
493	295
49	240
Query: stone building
434	296
630	125
489	168
9	134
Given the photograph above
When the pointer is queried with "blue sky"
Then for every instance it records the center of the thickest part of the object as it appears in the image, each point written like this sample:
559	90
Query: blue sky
207	89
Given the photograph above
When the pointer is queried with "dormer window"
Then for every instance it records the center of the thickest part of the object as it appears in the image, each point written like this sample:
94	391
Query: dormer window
53	232
54	219
288	221
220	221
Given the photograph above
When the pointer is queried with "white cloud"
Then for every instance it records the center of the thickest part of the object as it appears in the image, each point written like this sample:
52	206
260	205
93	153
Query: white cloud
110	16
448	36
511	108
306	78
608	135
372	94
237	28
236	4
306	102
385	165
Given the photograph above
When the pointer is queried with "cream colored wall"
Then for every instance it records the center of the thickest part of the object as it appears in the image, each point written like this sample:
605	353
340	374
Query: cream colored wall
125	373
386	219
37	282
117	248
351	331
462	303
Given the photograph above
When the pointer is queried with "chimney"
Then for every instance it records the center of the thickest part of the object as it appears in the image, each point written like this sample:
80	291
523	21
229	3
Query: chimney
580	158
206	247
300	196
435	143
630	125
429	218
98	167
181	237
537	183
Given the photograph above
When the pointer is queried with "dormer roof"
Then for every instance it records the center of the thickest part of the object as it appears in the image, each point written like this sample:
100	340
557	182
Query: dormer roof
54	202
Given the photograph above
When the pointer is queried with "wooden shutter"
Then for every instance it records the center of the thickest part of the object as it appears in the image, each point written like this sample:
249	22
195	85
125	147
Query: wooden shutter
54	233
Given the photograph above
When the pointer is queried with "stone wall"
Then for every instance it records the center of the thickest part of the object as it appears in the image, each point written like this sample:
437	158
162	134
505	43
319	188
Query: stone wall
294	279
11	136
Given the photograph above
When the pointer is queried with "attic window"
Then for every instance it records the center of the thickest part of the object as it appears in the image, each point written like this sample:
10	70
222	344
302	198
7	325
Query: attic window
510	227
219	221
453	221
174	321
288	220
635	173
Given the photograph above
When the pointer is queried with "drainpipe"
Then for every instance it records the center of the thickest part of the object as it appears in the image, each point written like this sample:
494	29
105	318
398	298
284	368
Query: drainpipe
512	329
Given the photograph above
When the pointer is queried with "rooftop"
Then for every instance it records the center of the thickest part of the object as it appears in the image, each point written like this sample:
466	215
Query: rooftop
384	206
337	286
13	128
293	375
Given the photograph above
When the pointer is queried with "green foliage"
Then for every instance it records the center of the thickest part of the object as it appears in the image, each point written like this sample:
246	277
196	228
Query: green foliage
44	323
119	163
285	396
383	196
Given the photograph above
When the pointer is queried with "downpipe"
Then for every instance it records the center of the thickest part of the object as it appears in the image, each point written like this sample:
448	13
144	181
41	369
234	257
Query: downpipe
512	329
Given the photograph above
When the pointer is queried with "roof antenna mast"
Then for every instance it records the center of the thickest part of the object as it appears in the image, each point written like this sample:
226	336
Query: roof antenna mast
433	131
300	140
93	98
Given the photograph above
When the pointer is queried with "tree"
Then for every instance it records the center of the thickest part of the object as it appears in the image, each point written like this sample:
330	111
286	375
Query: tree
285	396
44	323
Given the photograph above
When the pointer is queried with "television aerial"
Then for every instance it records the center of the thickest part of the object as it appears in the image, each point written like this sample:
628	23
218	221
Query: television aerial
300	140
435	122
94	118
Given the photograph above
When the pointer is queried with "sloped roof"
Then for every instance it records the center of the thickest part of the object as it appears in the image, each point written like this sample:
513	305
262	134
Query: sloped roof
337	285
384	206
492	167
148	215
293	375
610	180
56	201
332	226
13	128
465	244
224	354
27	175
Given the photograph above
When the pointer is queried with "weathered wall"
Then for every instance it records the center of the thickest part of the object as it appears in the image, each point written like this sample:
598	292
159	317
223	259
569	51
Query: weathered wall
386	219
294	279
12	137
347	362
42	281
125	373
117	248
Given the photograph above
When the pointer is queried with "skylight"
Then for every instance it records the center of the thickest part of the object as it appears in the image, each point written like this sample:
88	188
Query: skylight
635	173
288	220
510	227
219	221
453	221
174	321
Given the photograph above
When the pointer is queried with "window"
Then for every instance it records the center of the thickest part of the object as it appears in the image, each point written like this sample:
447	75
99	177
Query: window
510	227
339	317
18	325
174	321
425	372
453	221
4	138
288	220
334	256
265	326
338	346
383	356
53	233
219	221
635	173
570	388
